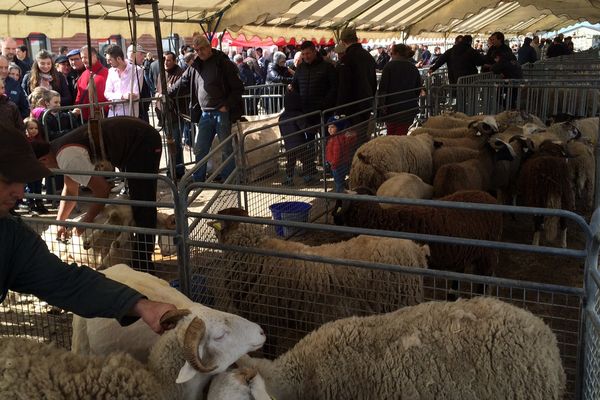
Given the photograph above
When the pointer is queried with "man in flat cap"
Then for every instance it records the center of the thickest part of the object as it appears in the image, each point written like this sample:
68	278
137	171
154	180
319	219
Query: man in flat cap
27	266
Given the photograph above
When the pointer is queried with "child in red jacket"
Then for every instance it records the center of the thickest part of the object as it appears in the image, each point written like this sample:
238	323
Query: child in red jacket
340	148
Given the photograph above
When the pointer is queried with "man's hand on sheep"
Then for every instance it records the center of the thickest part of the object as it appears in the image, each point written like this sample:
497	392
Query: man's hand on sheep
151	312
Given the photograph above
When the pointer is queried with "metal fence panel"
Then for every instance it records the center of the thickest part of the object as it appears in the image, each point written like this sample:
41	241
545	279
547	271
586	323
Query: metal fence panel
268	284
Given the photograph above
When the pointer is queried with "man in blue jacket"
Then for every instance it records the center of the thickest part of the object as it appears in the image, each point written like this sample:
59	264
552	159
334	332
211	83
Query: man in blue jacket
27	266
14	91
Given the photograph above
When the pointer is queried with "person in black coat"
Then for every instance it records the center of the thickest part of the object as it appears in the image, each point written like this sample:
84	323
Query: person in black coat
277	71
527	53
497	46
315	80
356	82
462	60
399	75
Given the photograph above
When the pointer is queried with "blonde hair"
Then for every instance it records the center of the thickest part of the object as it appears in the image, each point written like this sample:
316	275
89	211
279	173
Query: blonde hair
41	96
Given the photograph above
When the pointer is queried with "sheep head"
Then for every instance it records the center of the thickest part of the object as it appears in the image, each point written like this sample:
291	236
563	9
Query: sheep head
342	206
502	151
487	126
223	227
238	384
211	345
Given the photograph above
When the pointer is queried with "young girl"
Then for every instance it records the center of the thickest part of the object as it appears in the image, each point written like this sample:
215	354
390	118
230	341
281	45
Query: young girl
56	123
43	73
33	131
340	148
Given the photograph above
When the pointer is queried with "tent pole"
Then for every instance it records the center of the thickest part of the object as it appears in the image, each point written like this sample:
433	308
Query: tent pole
166	102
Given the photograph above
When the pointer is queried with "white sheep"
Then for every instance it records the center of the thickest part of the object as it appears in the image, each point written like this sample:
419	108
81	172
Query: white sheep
465	350
34	370
289	297
391	154
404	185
227	336
238	384
487	125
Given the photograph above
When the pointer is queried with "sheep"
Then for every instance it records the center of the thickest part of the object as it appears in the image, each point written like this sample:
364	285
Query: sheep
290	295
93	247
506	171
544	182
238	384
506	119
404	185
480	348
451	154
391	154
227	336
582	170
114	247
57	373
486	126
472	174
435	221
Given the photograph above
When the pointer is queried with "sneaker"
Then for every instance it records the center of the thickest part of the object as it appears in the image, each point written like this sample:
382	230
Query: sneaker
39	208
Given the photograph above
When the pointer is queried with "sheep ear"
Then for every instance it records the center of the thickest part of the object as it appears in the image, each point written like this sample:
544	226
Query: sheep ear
186	373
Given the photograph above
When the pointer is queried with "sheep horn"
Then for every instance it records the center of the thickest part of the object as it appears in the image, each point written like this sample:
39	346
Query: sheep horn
194	333
248	373
172	316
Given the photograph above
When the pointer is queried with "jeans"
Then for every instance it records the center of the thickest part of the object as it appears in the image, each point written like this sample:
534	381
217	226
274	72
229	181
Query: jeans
339	177
211	123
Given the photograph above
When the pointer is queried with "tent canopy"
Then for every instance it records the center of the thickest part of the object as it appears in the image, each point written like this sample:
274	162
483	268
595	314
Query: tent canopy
374	19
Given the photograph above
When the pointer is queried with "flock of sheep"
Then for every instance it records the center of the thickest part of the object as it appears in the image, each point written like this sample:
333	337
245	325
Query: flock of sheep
468	349
480	348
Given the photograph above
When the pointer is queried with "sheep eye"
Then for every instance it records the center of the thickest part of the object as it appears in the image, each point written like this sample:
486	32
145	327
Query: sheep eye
222	335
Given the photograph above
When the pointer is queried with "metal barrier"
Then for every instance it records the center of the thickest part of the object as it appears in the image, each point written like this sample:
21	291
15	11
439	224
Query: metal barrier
264	99
539	97
262	281
104	243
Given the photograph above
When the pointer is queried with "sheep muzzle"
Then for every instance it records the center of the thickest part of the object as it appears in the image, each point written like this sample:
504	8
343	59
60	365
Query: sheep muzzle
193	335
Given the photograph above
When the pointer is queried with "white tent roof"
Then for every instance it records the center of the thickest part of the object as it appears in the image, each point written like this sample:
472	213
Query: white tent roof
292	18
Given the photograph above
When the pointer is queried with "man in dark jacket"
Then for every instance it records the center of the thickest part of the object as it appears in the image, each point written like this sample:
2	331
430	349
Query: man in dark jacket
527	53
316	82
497	46
13	89
356	82
217	89
462	60
27	266
382	58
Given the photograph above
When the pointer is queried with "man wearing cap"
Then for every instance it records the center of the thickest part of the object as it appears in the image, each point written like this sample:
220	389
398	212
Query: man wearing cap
217	89
131	145
95	69
62	65
137	59
27	266
77	68
122	83
358	81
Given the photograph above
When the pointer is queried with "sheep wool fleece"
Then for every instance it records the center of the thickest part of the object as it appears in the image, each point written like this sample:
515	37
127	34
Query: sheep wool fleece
466	350
32	370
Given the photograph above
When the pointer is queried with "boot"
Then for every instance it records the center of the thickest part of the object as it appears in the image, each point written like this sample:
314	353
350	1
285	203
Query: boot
39	207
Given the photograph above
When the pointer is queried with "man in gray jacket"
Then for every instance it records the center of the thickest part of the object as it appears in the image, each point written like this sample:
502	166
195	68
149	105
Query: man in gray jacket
217	90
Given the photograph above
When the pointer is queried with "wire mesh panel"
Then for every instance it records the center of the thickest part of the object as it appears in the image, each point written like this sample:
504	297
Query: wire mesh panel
292	280
112	238
263	99
591	389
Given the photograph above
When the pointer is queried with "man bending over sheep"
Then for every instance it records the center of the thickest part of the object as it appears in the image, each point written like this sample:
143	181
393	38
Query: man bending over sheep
27	266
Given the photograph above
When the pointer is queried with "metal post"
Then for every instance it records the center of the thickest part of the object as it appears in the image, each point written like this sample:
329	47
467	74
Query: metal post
589	299
168	120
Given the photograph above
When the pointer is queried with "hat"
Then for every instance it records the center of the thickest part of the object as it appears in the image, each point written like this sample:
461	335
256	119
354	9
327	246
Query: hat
74	52
340	122
61	59
18	162
348	35
340	48
138	48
